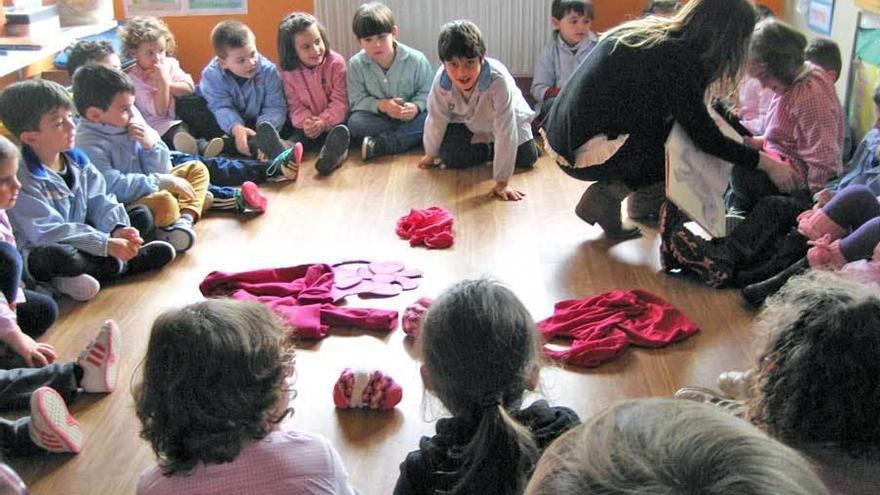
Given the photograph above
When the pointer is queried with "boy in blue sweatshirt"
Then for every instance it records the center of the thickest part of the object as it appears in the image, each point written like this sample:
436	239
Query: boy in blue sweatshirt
133	158
64	220
388	86
245	98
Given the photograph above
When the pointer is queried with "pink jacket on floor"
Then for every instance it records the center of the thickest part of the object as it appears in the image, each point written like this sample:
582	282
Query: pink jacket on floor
302	295
317	91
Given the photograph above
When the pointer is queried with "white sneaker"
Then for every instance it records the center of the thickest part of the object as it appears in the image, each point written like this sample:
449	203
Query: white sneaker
81	287
99	360
180	234
211	148
184	142
52	427
736	384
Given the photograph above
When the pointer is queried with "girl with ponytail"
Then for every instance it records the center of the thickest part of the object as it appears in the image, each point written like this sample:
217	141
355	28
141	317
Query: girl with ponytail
480	349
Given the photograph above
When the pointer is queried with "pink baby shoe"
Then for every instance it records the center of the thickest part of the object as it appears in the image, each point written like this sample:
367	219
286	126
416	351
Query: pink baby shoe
372	389
412	316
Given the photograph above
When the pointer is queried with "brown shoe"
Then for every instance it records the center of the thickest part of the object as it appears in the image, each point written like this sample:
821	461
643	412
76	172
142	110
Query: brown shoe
600	204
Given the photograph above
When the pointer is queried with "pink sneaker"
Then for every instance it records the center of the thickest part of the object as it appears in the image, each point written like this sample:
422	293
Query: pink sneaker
52	427
99	360
372	389
252	197
813	224
825	254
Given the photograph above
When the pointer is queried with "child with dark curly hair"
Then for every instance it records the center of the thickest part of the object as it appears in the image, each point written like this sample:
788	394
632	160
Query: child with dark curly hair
211	401
815	385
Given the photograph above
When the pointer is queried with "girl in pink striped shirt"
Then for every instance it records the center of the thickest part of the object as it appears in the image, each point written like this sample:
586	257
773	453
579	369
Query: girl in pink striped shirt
804	124
213	395
314	85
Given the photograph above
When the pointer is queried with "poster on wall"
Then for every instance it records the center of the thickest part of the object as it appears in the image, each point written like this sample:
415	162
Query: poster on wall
183	7
819	16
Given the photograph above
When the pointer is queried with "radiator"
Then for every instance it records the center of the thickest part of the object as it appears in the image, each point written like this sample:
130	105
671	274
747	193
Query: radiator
514	30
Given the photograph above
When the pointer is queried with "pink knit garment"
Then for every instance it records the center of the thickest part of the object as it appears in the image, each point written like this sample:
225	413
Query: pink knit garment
412	316
431	227
371	389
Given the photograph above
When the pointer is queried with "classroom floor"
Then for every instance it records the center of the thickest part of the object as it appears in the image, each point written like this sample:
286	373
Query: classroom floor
537	246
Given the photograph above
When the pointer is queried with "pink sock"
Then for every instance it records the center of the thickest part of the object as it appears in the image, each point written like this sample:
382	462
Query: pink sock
825	254
815	223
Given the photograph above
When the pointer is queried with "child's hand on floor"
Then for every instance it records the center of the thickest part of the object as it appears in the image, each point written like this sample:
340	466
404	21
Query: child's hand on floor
35	354
501	191
428	161
177	185
241	134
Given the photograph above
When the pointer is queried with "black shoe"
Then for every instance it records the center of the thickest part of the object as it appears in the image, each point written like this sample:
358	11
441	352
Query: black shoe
372	147
152	256
334	151
755	294
268	141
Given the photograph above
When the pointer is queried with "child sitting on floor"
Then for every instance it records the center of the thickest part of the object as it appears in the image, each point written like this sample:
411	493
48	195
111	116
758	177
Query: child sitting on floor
814	383
135	162
314	85
804	123
571	43
664	446
48	388
481	353
388	84
233	182
476	112
64	220
159	81
240	95
214	392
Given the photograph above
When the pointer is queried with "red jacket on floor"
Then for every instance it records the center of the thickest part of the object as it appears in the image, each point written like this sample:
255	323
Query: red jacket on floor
602	326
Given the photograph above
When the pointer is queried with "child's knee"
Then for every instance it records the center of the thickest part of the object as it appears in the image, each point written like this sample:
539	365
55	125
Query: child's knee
165	208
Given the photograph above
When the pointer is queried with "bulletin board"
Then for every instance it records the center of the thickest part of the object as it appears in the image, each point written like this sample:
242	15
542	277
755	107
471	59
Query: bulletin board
183	7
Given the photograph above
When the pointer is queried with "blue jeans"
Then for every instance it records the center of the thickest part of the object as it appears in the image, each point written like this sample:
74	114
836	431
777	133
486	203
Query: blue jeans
38	312
226	172
397	136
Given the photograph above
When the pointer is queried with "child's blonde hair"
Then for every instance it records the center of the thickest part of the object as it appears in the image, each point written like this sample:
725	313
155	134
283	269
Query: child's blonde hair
669	446
480	349
8	150
213	379
145	29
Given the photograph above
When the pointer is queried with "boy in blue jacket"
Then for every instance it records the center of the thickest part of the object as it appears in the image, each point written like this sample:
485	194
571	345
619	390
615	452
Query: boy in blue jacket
64	220
245	97
133	158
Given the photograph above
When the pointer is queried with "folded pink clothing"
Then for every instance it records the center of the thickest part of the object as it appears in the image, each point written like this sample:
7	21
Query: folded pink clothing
602	326
413	314
301	295
431	227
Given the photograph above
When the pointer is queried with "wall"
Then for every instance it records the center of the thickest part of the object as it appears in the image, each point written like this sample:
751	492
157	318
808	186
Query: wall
194	33
843	32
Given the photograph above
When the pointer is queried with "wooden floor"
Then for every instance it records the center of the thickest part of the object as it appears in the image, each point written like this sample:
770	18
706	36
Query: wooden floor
538	247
